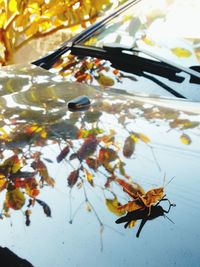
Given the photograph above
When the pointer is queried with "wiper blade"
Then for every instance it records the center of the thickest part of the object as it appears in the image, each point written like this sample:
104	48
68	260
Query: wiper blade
117	48
132	64
129	62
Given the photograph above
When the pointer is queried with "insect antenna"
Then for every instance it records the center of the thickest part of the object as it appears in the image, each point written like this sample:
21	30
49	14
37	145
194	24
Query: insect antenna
168	182
164	179
165	216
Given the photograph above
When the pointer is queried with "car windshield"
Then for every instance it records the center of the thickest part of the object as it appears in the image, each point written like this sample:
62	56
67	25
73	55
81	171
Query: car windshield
165	28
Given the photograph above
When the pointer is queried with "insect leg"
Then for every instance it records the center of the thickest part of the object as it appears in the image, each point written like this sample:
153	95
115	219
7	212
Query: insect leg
141	226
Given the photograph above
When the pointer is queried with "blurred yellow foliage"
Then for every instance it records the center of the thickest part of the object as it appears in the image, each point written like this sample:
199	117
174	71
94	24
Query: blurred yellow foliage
24	20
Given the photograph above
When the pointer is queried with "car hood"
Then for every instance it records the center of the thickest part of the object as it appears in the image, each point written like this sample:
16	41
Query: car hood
65	174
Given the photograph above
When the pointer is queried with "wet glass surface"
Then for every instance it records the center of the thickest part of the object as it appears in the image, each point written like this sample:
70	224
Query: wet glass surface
66	177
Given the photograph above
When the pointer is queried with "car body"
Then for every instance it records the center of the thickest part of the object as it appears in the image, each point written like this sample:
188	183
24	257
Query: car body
73	155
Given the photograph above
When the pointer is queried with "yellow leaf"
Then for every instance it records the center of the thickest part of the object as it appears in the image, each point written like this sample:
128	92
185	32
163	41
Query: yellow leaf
32	29
3	134
113	205
3	182
43	134
134	137
91	41
15	199
89	177
12	164
185	139
2	19
143	138
181	52
33	7
12	6
148	41
74	28
22	20
105	80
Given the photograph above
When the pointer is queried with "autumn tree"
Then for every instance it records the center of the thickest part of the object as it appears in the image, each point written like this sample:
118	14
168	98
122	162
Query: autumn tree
24	20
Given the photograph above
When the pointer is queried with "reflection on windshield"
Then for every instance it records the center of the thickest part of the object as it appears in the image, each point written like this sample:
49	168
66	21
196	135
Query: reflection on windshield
166	28
98	149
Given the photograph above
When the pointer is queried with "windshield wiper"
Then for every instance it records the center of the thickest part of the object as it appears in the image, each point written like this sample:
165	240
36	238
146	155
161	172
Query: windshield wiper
133	63
117	48
129	62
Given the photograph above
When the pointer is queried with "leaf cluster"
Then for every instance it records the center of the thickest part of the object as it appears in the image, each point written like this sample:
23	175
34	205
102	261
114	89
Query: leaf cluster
24	20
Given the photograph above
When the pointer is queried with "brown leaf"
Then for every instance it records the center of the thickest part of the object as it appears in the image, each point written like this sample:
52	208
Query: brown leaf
88	148
42	169
107	155
46	208
129	147
93	163
63	154
73	178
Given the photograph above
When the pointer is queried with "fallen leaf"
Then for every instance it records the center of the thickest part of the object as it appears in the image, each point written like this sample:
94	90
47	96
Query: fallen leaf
12	164
31	187
105	80
73	178
89	177
88	148
45	207
113	205
42	169
129	147
3	182
185	139
143	138
181	52
15	199
63	154
93	163
107	155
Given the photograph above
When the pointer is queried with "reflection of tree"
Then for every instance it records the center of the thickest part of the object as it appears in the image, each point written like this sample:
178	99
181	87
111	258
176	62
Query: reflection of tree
89	70
86	145
23	21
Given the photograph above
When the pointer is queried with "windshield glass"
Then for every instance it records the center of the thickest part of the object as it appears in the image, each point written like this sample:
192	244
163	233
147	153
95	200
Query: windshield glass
167	28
